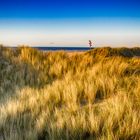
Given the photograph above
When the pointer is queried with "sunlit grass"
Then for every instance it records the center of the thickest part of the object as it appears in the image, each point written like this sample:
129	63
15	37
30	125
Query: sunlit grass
59	96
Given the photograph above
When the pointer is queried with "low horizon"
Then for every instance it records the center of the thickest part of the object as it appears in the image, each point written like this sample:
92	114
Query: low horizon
105	46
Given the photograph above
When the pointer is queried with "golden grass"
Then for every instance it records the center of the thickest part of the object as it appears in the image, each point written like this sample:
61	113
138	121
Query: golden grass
61	96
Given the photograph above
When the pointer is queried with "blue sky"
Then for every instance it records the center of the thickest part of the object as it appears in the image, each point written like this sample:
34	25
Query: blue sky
68	8
70	22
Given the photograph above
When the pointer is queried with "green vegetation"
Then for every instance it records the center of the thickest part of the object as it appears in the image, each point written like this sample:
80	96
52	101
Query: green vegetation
93	95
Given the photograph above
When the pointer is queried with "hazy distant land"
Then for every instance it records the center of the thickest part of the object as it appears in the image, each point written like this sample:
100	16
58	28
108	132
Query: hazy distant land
61	95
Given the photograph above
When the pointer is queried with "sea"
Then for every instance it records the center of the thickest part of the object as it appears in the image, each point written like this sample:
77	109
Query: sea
63	48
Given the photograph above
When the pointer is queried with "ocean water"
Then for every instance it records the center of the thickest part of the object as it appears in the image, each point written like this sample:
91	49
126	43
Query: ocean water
63	48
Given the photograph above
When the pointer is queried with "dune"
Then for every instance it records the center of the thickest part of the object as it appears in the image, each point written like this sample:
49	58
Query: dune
64	95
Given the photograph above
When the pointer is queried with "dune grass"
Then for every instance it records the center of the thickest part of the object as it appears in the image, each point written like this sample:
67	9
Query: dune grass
94	95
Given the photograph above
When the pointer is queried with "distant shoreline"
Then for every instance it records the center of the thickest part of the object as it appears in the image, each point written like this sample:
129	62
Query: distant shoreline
62	48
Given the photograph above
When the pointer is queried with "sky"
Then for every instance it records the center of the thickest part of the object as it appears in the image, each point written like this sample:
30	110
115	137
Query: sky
70	22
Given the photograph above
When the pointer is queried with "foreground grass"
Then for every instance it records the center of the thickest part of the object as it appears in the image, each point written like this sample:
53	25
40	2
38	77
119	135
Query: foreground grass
57	96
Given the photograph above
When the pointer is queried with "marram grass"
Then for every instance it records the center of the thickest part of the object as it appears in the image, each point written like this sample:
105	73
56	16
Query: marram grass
94	95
